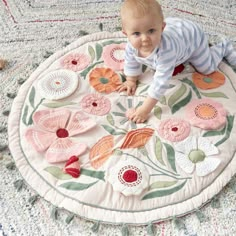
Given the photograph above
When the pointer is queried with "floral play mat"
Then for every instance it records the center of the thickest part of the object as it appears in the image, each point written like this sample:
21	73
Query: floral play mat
73	144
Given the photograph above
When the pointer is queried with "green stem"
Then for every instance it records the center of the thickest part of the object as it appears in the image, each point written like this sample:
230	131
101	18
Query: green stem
31	115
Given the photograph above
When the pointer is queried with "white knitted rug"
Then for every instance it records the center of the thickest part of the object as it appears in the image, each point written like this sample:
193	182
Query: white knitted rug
26	42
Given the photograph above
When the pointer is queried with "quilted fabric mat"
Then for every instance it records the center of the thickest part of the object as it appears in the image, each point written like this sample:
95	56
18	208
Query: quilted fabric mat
73	144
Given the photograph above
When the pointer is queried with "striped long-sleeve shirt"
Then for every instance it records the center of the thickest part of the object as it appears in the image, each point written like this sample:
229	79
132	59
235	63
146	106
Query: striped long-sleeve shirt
180	39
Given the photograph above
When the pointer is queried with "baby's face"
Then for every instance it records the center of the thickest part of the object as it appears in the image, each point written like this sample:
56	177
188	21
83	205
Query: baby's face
144	33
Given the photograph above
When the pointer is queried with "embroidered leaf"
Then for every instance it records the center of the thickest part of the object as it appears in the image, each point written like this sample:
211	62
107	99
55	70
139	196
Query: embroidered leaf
215	95
118	114
162	184
170	152
162	193
86	71
98	51
95	174
182	103
158	151
112	131
58	104
230	123
110	119
91	53
189	82
137	138
162	100
25	114
57	173
214	132
76	186
32	96
112	42
101	151
177	95
158	112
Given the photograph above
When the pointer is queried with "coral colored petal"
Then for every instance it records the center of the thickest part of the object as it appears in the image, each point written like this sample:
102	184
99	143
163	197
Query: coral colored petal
79	123
62	149
101	151
137	138
207	166
51	120
40	139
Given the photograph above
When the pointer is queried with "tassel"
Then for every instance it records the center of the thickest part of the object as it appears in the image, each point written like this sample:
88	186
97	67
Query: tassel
20	81
82	32
2	147
215	202
179	223
151	229
125	230
11	95
200	215
101	26
3	129
95	227
11	166
6	113
33	199
54	213
69	218
19	184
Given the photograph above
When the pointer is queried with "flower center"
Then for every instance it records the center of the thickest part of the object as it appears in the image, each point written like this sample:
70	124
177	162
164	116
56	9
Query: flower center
130	176
94	104
174	129
117	55
74	62
196	156
104	80
207	80
205	111
62	133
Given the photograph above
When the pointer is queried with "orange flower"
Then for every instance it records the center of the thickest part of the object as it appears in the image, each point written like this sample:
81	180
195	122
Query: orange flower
137	138
101	151
104	80
213	80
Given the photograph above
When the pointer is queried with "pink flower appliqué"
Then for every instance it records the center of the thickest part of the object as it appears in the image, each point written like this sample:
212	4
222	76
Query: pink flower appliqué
113	56
53	132
96	104
76	61
174	130
206	114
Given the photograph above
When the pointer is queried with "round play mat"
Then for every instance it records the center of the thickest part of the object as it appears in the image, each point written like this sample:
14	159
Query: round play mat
73	144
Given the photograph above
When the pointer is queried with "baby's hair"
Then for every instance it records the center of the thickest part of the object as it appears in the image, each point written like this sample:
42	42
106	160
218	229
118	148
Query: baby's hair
139	8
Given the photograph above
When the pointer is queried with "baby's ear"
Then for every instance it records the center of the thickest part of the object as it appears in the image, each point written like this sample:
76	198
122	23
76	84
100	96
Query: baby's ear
163	25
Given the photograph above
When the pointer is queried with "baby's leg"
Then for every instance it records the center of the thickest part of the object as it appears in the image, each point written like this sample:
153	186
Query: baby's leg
206	59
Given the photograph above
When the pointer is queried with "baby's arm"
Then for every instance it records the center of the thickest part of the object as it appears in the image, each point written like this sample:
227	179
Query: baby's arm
129	85
141	113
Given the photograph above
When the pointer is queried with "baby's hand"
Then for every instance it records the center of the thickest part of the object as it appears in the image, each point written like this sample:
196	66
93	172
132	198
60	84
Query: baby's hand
129	86
139	115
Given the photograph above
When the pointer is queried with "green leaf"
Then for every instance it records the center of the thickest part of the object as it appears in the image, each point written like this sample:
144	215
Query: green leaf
32	96
25	114
111	130
76	186
95	174
112	42
177	95
215	95
86	71
57	173
110	119
162	100
214	132
144	90
189	82
158	151
162	193
170	155
162	184
229	128
182	103
91	52
58	104
158	112
98	51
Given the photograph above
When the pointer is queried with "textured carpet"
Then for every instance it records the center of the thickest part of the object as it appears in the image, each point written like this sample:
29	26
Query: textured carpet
30	31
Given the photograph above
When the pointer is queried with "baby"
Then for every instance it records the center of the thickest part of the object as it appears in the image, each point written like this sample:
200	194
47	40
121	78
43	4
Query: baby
162	45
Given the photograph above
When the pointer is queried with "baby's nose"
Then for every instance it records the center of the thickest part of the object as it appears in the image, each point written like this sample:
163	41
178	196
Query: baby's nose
144	37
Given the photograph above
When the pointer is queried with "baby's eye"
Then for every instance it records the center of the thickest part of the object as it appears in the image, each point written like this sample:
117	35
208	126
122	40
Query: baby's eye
151	31
136	33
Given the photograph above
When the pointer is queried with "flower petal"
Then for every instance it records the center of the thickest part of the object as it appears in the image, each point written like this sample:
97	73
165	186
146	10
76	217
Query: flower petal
205	145
51	120
62	149
207	166
137	138
183	162
79	123
40	139
186	145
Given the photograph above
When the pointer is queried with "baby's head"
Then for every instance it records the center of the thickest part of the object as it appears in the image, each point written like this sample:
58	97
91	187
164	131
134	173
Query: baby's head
140	8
